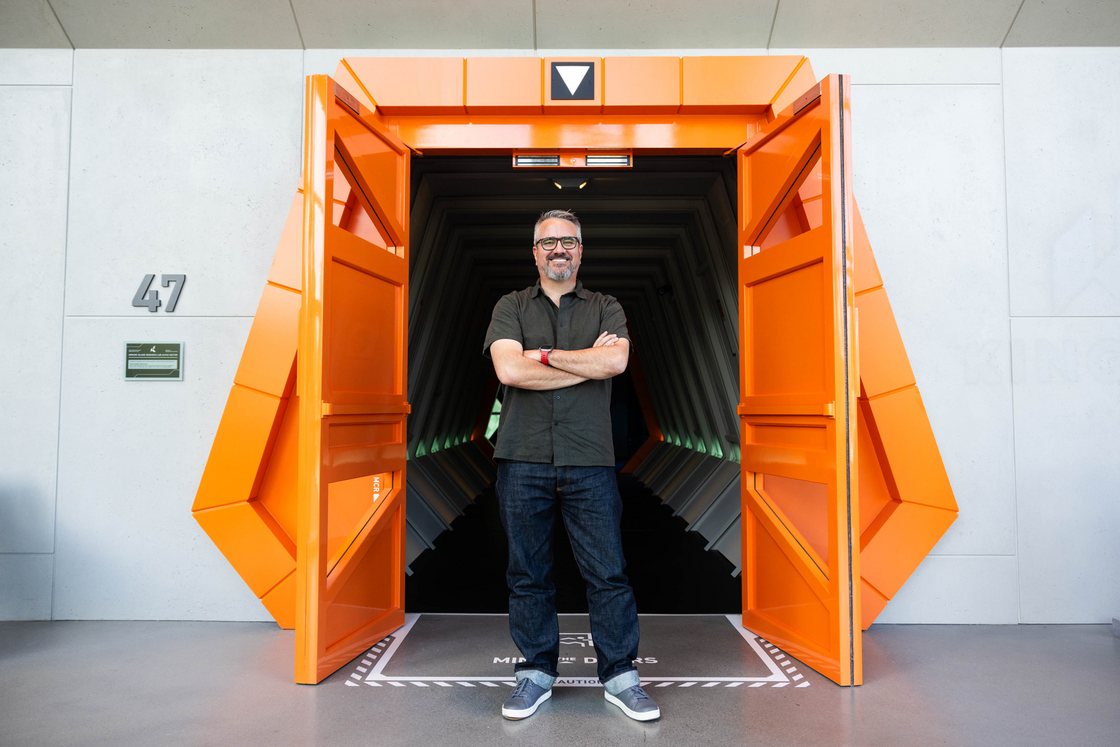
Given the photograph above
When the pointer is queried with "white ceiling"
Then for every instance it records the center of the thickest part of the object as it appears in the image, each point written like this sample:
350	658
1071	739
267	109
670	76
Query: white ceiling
556	24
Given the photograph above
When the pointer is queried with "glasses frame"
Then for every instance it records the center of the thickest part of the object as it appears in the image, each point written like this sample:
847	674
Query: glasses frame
559	242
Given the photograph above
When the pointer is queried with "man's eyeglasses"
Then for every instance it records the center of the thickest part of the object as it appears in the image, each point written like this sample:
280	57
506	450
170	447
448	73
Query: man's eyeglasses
566	242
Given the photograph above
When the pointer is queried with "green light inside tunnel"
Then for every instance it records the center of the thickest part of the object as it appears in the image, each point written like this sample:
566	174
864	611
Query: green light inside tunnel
495	416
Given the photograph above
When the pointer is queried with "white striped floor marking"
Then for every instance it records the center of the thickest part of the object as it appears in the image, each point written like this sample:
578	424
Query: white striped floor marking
363	670
511	683
351	684
778	656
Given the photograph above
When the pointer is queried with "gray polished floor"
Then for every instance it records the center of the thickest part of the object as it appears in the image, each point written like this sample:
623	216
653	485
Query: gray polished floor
191	683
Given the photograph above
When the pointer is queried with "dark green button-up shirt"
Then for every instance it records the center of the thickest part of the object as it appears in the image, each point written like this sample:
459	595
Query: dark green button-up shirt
568	427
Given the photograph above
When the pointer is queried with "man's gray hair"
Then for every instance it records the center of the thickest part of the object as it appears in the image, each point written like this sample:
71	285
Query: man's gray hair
567	215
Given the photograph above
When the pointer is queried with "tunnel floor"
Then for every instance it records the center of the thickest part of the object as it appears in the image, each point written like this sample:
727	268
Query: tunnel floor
668	567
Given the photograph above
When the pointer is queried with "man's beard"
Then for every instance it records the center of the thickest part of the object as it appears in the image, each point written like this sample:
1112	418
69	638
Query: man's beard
552	274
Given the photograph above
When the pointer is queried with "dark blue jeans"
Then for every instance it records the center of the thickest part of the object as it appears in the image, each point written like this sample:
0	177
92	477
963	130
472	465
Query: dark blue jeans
587	497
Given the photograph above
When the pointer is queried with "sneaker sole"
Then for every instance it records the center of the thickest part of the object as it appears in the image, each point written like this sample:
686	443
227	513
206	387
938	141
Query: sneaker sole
515	715
647	716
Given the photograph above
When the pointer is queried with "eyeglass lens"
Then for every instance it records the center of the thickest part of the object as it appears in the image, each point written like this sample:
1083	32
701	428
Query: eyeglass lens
568	242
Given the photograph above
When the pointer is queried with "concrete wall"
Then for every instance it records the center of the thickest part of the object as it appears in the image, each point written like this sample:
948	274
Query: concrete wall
989	180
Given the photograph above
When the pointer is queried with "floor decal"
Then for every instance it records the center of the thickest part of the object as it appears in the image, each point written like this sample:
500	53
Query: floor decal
707	652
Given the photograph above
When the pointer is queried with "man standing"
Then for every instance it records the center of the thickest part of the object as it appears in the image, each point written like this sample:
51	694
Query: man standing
555	347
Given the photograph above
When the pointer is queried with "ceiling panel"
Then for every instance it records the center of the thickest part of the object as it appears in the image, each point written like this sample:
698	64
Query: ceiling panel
892	23
29	24
1084	23
590	25
168	24
653	24
416	24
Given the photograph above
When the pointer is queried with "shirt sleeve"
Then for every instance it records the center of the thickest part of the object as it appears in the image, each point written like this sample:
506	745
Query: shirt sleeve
614	320
505	323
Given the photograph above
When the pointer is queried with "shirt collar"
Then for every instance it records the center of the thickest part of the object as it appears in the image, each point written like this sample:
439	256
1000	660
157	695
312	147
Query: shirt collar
581	294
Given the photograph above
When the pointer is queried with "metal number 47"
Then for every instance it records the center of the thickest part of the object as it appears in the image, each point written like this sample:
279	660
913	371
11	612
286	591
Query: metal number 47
150	298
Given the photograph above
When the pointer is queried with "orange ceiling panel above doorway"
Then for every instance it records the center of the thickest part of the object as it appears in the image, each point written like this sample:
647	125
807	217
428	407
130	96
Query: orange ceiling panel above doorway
449	86
411	85
573	85
504	85
633	85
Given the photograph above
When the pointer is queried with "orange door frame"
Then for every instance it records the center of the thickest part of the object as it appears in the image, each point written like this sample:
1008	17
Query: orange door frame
246	500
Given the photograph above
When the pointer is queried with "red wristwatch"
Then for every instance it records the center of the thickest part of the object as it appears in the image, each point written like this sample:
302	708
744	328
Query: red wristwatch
544	355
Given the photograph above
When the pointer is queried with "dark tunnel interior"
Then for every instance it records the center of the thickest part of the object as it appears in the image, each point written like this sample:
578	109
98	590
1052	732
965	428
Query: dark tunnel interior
661	238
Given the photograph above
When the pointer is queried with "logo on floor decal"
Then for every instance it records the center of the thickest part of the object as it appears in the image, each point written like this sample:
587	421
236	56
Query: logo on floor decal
576	639
429	662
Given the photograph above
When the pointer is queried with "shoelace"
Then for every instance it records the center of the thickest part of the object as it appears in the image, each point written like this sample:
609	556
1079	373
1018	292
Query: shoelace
639	693
522	687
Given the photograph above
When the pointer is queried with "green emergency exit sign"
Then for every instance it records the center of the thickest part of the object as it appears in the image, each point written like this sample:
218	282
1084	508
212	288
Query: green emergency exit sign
146	361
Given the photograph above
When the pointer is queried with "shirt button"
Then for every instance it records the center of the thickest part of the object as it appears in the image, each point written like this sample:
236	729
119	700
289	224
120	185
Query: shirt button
557	396
561	324
556	424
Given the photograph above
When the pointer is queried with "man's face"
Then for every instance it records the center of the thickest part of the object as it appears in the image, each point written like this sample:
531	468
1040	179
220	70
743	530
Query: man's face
560	263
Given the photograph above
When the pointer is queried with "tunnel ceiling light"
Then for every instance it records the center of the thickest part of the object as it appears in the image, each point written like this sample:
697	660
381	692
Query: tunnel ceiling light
607	160
576	183
573	159
520	160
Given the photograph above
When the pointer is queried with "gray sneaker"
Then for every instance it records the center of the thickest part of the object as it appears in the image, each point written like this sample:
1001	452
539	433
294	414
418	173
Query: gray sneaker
524	700
635	703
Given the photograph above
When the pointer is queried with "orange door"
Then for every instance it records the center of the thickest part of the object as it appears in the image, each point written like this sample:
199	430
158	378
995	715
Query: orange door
798	385
350	383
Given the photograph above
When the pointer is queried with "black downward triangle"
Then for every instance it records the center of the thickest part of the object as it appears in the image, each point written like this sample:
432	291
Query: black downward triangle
584	92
